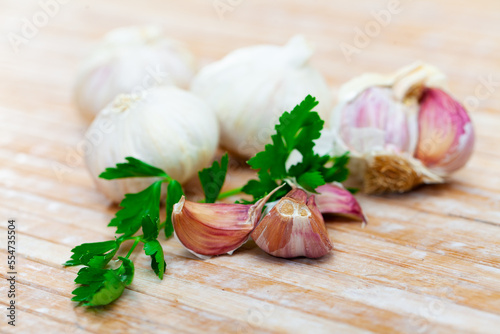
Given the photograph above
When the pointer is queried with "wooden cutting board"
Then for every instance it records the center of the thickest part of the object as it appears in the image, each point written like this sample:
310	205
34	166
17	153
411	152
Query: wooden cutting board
428	261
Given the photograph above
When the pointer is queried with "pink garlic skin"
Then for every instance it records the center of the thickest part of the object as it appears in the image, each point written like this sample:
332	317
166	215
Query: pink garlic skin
335	199
374	120
446	136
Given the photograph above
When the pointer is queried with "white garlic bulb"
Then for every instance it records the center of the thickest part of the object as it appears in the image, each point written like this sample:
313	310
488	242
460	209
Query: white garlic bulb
251	87
131	60
401	130
169	128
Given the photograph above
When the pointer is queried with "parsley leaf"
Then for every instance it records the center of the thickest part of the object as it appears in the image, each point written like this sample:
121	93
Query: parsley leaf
135	207
212	179
311	180
102	286
153	248
174	194
296	131
263	186
96	254
149	228
132	168
338	171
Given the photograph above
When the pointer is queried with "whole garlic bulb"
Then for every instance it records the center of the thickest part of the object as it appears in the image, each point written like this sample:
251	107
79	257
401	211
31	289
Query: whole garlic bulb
401	130
169	128
251	87
131	60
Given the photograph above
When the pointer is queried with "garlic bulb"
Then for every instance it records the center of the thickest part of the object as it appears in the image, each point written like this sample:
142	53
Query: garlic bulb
294	227
209	229
169	128
401	130
251	87
131	60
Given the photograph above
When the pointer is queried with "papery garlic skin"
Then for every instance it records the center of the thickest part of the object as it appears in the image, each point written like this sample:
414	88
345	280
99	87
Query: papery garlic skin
293	227
131	60
169	128
389	125
446	135
251	87
210	229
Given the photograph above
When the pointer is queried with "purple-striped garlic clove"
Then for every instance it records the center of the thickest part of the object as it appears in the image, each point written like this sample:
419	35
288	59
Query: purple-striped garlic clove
294	227
375	120
446	135
335	199
209	229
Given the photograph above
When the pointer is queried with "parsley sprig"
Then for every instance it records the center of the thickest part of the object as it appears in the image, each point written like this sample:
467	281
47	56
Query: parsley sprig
296	132
101	283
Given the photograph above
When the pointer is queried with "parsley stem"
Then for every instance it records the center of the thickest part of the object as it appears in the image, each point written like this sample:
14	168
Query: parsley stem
137	239
230	193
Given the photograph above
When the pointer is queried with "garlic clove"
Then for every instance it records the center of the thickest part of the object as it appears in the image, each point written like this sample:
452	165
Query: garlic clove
294	227
335	199
446	135
375	120
209	229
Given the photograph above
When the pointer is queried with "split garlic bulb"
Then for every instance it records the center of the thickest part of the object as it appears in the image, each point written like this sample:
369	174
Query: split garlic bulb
131	60
251	87
401	130
169	128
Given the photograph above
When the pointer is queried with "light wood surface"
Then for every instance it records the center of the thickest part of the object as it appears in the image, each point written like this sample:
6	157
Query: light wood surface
428	261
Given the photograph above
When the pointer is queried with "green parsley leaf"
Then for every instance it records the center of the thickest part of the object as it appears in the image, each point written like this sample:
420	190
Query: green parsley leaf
149	228
296	130
174	194
311	180
212	179
132	168
153	248
135	207
102	286
96	254
338	171
263	186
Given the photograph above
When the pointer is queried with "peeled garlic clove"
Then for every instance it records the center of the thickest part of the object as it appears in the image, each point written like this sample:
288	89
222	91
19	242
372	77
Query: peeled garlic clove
294	227
251	87
131	60
169	128
208	229
335	199
446	135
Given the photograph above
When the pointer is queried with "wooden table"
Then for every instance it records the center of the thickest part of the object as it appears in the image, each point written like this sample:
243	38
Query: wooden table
427	262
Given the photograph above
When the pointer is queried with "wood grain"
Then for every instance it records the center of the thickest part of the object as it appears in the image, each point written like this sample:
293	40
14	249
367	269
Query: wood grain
428	261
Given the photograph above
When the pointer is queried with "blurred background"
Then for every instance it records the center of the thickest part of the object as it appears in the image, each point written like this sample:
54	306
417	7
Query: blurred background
44	42
459	37
45	185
